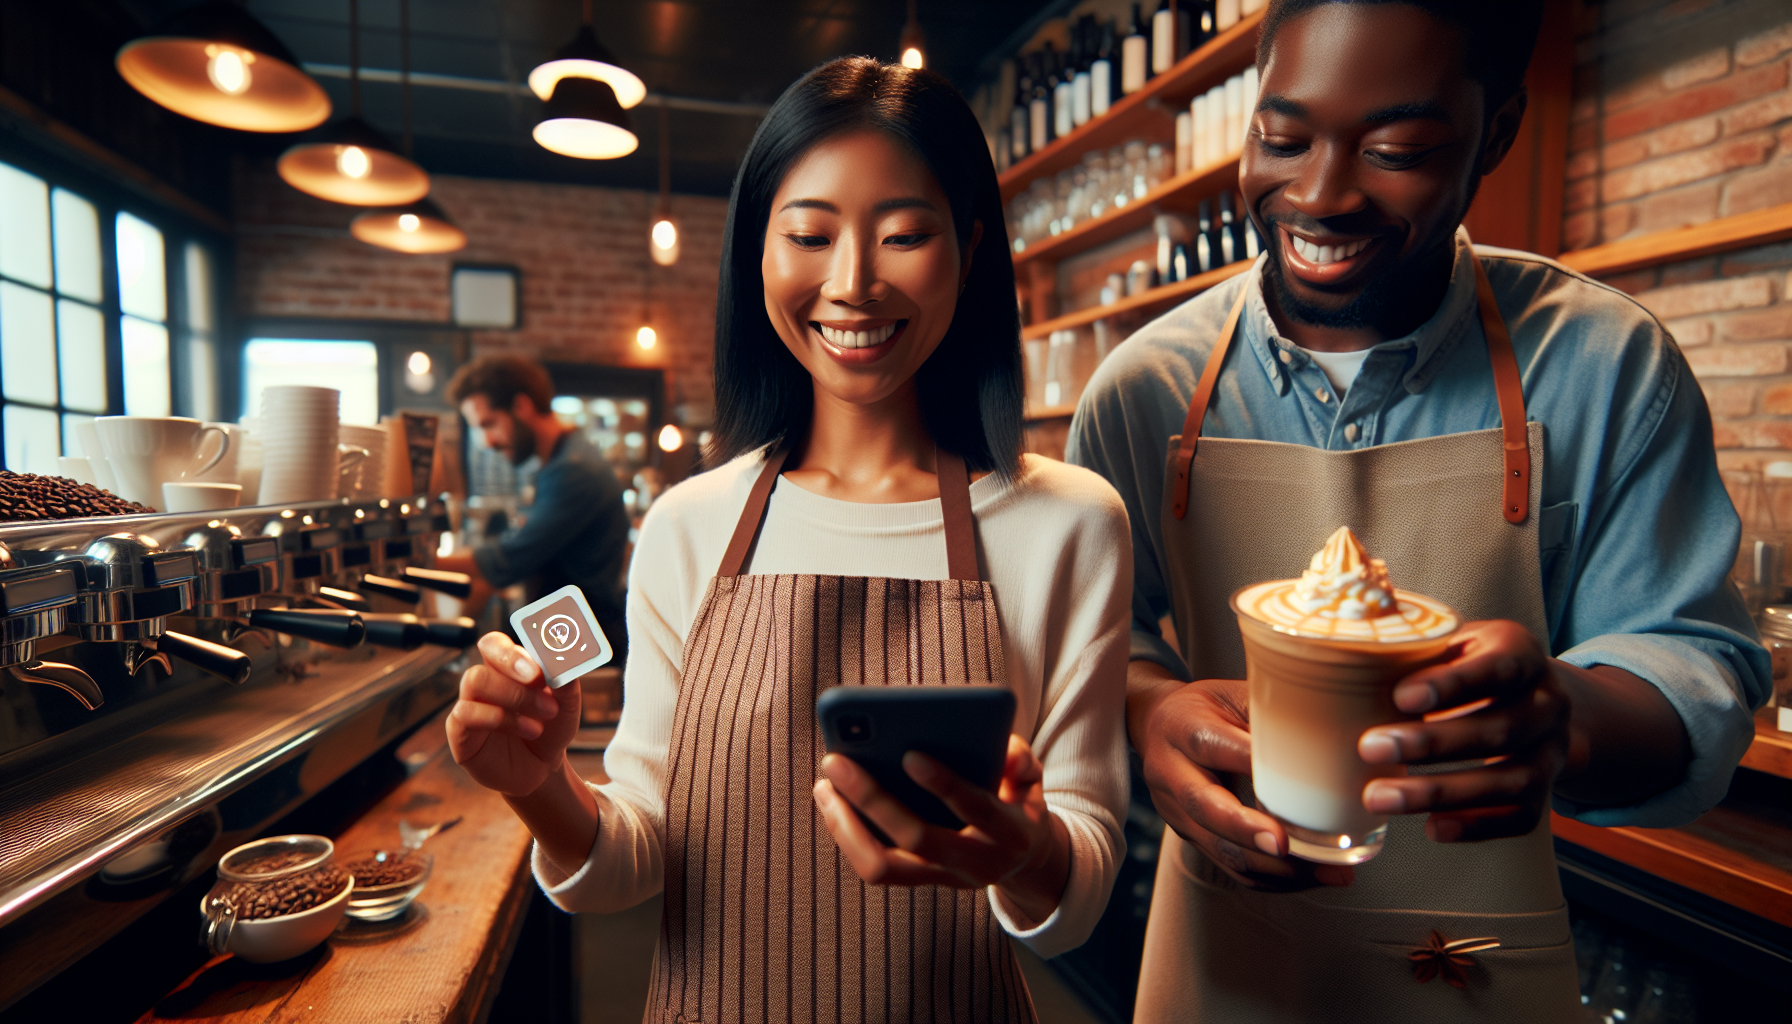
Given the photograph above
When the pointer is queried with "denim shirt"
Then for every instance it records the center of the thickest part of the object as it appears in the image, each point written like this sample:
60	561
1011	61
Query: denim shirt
576	530
1637	534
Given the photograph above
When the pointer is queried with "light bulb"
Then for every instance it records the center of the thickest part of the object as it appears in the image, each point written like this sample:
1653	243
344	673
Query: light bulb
352	162
408	222
912	58
646	338
671	438
418	363
665	233
228	69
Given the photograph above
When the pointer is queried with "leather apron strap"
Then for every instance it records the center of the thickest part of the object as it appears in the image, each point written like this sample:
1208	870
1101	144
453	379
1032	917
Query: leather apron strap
1507	382
955	507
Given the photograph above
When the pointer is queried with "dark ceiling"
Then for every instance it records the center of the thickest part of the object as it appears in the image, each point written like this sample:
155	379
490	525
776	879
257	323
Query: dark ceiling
476	119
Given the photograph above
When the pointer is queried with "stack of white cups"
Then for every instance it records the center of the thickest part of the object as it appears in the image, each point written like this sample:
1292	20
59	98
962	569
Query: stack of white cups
298	431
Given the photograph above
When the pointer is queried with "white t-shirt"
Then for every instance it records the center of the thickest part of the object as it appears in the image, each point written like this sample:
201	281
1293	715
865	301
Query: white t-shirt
1055	547
1340	368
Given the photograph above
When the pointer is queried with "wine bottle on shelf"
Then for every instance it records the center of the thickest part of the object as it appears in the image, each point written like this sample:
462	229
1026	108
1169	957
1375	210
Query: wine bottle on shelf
1135	55
1101	73
1200	27
1169	36
1039	107
1063	96
1231	247
1004	150
1253	240
1226	14
1082	83
1204	247
1018	130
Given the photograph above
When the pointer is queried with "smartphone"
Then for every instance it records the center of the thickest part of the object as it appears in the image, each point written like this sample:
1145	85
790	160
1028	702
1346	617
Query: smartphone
963	727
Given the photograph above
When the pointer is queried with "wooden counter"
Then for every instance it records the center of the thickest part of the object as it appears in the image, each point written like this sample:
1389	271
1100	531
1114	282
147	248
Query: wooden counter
1740	855
441	962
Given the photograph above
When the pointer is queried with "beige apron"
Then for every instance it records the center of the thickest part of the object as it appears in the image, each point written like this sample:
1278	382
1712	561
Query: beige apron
1456	518
764	919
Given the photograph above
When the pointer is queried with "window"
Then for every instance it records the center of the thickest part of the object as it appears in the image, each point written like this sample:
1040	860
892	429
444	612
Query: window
59	356
351	367
52	330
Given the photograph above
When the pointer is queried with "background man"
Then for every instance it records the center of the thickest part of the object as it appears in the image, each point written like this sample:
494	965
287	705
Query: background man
577	529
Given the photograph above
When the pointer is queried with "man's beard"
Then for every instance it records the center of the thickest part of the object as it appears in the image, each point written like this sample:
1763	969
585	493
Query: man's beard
522	442
1365	310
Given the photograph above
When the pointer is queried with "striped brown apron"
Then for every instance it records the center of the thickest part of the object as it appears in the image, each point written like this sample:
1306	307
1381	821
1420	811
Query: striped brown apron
764	919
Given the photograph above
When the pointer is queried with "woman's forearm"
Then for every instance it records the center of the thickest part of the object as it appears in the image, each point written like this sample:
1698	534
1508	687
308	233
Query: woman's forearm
562	815
1625	741
1035	890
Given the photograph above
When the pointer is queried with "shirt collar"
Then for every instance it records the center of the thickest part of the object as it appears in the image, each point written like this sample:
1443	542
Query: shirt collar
1429	340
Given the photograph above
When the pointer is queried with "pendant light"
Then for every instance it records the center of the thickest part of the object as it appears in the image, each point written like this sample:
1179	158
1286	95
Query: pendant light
585	57
420	227
914	52
215	63
350	161
587	94
662	237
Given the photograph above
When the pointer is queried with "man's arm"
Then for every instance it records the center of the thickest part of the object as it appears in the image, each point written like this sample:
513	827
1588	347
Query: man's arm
567	500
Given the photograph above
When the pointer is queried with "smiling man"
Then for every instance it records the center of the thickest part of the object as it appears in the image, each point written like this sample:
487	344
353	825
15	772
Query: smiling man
1515	439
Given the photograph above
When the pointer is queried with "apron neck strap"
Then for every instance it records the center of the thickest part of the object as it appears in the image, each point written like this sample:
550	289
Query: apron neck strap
1515	497
1515	501
955	505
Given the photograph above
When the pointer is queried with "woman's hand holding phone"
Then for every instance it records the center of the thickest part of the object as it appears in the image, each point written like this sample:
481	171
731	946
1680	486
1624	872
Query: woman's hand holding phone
1010	840
508	730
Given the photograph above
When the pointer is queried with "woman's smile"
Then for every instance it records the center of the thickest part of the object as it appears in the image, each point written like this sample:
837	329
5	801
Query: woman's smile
857	342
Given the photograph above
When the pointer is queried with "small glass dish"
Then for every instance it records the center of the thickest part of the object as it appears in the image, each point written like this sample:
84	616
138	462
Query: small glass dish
387	882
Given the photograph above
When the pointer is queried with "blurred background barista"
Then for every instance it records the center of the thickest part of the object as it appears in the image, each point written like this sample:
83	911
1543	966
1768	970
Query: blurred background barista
576	528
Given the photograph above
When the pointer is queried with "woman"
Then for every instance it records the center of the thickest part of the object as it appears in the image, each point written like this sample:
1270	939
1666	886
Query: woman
867	357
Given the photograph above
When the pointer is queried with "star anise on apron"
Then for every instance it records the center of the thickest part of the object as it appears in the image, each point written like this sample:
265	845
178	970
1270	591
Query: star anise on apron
1450	959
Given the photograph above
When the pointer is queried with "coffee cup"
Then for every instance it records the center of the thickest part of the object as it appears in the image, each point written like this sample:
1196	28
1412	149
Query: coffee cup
147	451
76	469
180	496
228	451
95	452
1316	684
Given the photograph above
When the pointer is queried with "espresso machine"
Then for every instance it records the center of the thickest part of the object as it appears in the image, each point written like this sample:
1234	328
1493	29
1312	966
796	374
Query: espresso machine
171	684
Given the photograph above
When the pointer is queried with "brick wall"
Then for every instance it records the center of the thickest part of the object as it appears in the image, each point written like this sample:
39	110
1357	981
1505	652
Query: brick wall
1682	115
582	252
1661	138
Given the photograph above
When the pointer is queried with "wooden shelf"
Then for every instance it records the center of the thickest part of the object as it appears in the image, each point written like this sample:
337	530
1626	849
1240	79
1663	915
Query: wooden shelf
1692	861
1760	228
1181	194
1772	750
1162	295
1149	112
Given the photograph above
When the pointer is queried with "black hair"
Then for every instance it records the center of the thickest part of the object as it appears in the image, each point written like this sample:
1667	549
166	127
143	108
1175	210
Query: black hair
1497	37
970	388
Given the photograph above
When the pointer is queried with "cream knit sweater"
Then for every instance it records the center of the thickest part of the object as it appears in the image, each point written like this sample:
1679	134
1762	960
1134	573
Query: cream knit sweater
1055	547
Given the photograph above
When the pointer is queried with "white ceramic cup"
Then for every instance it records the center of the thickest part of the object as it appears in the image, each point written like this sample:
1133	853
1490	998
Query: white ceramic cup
222	471
149	451
199	497
96	456
76	469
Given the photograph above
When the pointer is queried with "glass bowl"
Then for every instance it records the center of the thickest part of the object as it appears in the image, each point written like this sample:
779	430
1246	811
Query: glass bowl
384	900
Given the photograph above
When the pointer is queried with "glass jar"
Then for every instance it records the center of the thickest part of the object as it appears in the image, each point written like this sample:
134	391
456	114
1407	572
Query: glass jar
275	898
1775	623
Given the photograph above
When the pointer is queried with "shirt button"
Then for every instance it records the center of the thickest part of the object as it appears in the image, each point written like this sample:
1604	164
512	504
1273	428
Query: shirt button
1287	357
1351	432
1322	394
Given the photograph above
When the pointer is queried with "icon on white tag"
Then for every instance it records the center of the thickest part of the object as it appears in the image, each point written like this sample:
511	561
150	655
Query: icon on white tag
562	636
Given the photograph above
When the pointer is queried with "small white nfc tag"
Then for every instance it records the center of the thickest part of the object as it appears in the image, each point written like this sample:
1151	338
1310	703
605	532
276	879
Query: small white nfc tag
562	636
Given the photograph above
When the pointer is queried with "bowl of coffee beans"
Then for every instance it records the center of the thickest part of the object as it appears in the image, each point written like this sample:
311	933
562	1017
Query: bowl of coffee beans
276	898
386	882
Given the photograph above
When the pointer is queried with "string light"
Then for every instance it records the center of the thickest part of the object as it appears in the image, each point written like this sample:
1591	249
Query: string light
646	338
671	438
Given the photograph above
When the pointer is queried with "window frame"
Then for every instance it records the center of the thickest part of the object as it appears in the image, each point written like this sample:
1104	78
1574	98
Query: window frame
109	198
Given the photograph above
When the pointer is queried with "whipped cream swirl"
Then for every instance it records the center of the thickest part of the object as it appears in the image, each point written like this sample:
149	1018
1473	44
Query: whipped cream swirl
1343	582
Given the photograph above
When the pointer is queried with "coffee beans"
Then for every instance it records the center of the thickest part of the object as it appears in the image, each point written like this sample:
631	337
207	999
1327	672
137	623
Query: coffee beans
386	868
292	894
29	498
